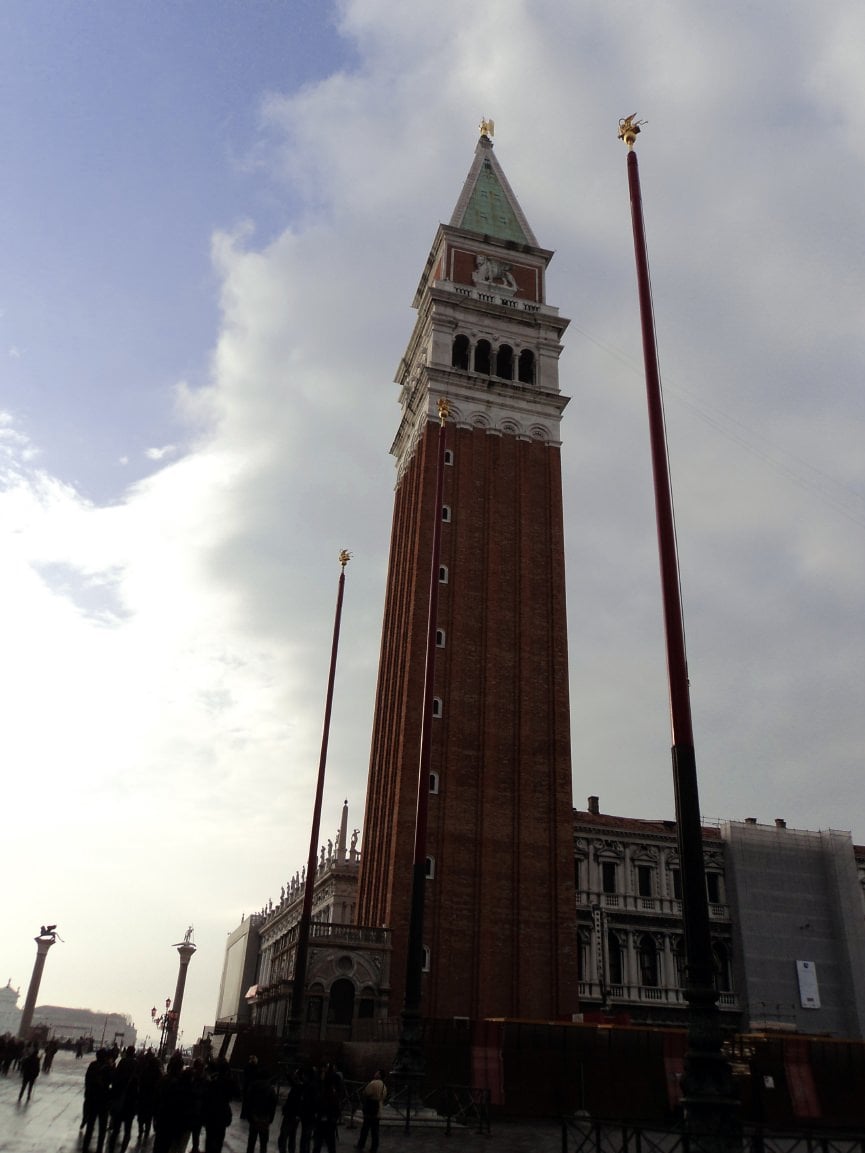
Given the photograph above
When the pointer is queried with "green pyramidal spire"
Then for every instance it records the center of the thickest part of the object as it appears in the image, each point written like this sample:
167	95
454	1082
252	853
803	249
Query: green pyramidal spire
487	203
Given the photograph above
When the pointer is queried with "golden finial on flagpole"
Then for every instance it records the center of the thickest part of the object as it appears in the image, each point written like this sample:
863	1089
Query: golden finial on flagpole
629	126
444	409
344	557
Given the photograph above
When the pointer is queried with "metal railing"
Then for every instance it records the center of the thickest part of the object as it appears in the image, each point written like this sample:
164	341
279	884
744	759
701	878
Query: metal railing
440	1108
584	1135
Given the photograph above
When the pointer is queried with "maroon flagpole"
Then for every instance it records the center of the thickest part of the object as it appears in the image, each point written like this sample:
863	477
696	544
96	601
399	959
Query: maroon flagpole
295	1021
408	1063
708	1098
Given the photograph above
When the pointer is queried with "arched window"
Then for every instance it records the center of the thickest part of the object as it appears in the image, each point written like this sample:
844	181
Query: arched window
483	357
440	638
434	782
648	962
679	961
443	574
340	1006
437	706
505	362
526	367
446	513
449	456
460	352
721	962
614	959
426	959
430	868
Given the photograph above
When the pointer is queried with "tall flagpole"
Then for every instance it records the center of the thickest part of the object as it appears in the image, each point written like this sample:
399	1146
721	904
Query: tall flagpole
295	1022
409	1063
708	1097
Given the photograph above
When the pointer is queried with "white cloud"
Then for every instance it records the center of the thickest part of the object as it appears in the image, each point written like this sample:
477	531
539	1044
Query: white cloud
166	655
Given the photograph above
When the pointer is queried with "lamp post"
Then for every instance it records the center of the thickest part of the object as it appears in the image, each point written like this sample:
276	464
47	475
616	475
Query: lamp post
47	937
161	1022
708	1098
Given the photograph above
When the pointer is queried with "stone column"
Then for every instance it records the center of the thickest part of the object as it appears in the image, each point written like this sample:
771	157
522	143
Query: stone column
185	949
44	942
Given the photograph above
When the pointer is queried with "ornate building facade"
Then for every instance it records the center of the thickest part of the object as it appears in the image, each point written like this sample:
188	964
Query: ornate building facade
348	975
629	918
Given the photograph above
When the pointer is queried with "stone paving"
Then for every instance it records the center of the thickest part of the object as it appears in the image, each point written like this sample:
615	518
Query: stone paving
49	1123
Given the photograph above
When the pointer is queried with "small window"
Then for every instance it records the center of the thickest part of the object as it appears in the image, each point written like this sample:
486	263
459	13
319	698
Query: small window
460	352
713	887
446	513
505	362
614	959
437	706
608	876
644	880
577	873
443	574
648	963
483	357
434	783
426	959
526	367
677	883
440	638
430	868
449	456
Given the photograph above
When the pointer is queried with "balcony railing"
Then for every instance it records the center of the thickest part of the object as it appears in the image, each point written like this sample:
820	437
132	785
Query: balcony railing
648	995
654	906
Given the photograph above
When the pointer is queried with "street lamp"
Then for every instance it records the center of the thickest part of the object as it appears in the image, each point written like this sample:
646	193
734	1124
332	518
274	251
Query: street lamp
163	1022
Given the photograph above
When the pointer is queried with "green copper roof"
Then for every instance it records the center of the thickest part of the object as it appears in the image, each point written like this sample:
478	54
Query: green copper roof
487	203
489	209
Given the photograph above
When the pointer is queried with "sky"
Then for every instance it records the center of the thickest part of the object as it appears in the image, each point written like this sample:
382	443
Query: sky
213	218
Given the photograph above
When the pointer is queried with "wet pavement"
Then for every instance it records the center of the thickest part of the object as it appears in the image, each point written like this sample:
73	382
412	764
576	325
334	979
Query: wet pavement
49	1123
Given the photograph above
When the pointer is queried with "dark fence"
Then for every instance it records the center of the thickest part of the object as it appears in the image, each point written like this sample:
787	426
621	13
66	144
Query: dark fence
583	1135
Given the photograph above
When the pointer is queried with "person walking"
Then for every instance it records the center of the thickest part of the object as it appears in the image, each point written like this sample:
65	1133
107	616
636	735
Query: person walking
328	1109
97	1098
216	1106
260	1106
372	1097
123	1101
29	1066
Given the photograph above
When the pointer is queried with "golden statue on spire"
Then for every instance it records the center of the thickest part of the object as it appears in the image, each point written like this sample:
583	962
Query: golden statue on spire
629	126
488	128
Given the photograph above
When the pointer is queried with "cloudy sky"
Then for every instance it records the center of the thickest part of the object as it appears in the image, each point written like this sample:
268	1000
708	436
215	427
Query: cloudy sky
214	217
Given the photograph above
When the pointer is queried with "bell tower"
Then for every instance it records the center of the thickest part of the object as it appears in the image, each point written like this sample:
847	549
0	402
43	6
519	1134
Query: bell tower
499	921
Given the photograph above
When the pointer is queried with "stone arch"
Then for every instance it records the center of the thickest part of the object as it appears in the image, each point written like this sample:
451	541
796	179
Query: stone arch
340	1008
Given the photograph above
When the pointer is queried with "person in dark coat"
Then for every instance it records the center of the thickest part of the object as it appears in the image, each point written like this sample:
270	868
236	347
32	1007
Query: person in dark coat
216	1106
29	1066
97	1097
298	1112
149	1076
123	1102
197	1085
328	1108
260	1107
172	1115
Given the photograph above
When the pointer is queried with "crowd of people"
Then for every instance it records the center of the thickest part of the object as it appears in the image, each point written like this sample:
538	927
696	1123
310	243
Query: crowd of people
174	1105
189	1106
